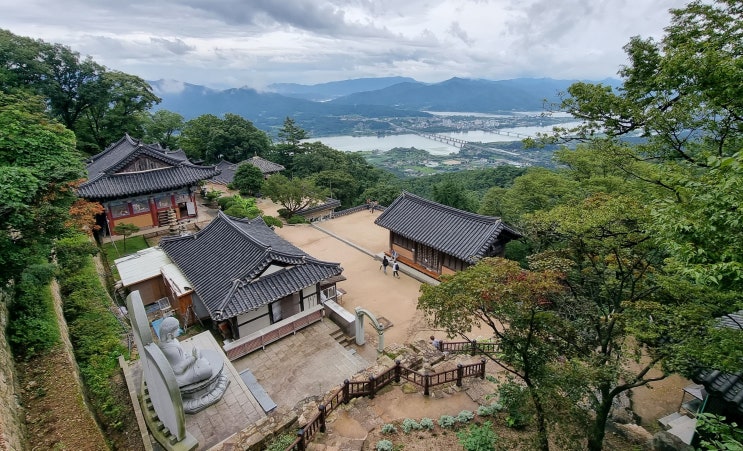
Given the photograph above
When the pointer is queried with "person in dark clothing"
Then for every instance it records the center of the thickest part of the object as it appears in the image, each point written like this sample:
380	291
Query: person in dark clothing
395	269
385	264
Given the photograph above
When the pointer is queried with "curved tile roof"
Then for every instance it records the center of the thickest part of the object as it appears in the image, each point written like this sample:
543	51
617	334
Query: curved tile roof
226	172
228	169
106	182
266	167
225	260
728	386
462	234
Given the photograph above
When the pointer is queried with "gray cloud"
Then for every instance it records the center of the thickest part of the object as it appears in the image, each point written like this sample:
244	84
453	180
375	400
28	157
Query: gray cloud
235	42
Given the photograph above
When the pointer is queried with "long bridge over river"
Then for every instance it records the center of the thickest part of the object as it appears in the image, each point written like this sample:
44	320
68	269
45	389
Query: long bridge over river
461	142
456	142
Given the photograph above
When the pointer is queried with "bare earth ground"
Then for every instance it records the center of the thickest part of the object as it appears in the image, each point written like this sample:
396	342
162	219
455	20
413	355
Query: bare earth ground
55	414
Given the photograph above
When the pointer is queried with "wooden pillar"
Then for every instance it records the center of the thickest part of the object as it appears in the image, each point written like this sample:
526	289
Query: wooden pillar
301	445
321	408
346	394
482	369
473	351
460	374
372	387
397	371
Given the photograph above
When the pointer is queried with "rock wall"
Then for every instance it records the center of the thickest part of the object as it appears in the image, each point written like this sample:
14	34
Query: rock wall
12	429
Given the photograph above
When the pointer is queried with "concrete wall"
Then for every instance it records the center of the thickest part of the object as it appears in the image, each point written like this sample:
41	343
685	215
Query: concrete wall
342	317
12	429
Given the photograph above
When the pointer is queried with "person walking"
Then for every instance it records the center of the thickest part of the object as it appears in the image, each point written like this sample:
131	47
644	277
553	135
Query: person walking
385	264
395	269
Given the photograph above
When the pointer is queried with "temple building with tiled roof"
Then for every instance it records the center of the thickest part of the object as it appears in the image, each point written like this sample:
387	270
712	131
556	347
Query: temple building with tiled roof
437	239
228	169
246	278
141	183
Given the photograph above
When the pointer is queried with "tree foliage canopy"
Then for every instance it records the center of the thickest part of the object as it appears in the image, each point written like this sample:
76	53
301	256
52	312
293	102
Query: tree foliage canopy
295	194
38	169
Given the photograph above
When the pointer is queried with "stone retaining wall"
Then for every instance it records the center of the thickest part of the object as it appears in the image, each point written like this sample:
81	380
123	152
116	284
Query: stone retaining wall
12	426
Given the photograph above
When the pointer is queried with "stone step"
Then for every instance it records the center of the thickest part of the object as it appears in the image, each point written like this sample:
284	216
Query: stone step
683	428
666	420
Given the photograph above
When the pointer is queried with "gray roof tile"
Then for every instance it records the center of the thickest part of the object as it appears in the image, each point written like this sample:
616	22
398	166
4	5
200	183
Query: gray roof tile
462	234
105	182
224	262
728	386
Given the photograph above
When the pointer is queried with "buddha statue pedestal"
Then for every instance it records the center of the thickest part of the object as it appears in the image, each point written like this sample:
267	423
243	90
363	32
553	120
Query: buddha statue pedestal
202	394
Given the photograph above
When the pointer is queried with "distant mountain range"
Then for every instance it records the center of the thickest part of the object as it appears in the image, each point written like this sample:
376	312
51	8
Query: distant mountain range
334	89
323	106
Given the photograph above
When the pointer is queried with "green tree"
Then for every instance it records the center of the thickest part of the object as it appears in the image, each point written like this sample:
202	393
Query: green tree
340	185
454	195
248	179
514	304
293	195
212	196
683	95
125	229
627	321
292	134
119	106
537	189
163	127
38	169
97	104
232	138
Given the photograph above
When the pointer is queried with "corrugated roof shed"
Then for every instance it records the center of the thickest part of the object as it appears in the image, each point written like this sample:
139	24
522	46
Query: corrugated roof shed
141	266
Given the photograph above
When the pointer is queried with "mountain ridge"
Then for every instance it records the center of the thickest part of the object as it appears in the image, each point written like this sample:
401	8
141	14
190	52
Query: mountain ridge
397	97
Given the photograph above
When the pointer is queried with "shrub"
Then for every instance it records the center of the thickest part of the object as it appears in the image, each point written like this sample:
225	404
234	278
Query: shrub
284	213
492	409
409	424
32	325
447	421
96	337
281	442
389	428
225	202
273	222
296	219
427	423
384	445
478	438
465	416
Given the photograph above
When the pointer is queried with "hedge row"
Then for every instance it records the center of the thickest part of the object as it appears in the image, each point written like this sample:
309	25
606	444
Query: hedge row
95	333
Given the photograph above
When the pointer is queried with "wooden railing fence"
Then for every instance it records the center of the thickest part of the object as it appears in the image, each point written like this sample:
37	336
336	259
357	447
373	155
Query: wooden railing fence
468	347
369	388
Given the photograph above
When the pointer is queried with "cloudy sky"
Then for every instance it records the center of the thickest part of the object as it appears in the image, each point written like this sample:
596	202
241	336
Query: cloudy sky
232	43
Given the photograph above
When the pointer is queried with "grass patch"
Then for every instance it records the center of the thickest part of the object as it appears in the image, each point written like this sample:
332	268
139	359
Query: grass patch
115	250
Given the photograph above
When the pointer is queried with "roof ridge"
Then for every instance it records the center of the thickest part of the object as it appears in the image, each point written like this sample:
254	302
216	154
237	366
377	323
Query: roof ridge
231	221
440	206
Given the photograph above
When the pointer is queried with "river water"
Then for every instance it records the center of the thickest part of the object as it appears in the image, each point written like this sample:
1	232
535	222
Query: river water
384	143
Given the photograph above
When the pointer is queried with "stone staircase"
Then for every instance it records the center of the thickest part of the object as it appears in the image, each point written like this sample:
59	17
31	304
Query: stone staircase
342	338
